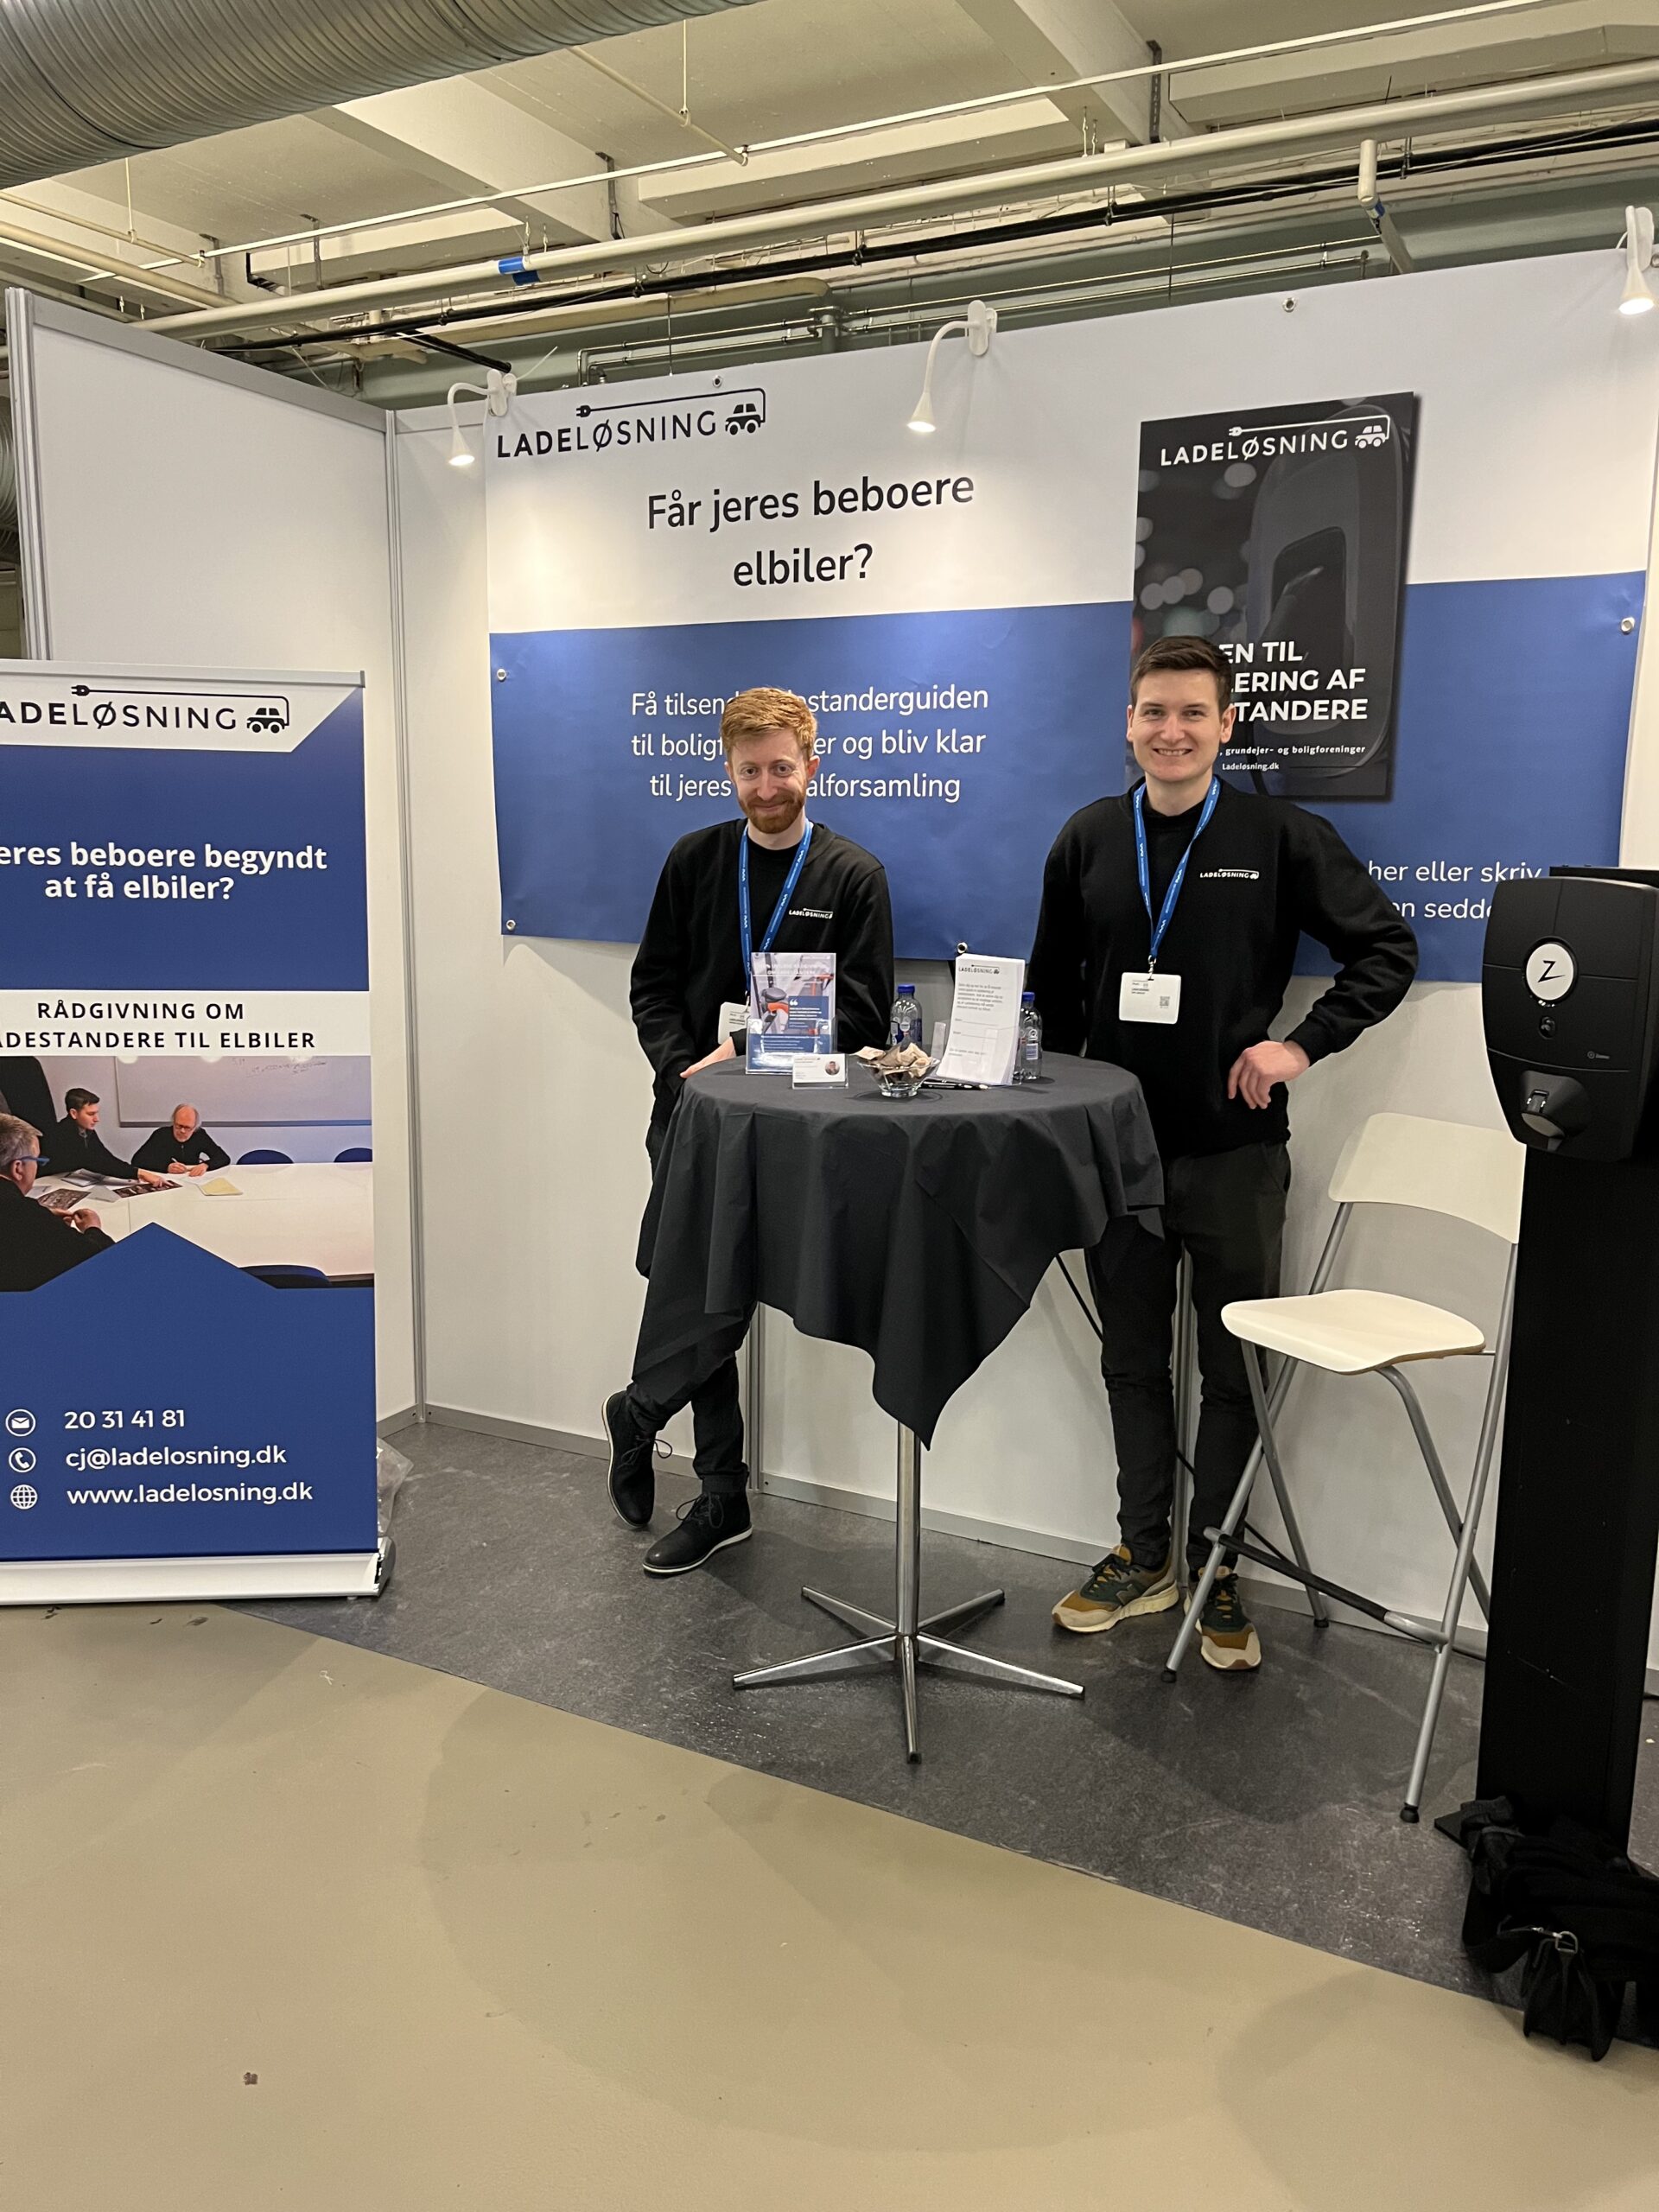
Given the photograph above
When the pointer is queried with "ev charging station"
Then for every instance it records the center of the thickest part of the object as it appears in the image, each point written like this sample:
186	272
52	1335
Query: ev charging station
1570	995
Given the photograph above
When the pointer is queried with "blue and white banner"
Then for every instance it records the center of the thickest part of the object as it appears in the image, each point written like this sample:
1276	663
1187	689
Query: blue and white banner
958	608
187	1136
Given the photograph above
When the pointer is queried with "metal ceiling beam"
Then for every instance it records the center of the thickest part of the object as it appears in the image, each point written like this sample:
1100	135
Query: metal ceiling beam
464	137
1055	40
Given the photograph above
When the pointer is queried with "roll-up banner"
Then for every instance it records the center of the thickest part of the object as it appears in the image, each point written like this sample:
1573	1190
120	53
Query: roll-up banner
186	1336
1414	512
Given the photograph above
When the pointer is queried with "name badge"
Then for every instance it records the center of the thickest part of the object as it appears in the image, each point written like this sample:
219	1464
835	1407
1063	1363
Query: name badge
733	1021
1149	998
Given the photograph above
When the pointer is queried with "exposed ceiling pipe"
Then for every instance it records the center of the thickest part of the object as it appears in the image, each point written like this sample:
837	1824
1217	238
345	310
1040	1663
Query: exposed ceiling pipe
92	80
1138	165
1443	19
1476	170
143	283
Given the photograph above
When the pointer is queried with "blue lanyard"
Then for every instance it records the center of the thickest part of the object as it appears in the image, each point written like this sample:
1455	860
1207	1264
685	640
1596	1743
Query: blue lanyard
1180	877
778	912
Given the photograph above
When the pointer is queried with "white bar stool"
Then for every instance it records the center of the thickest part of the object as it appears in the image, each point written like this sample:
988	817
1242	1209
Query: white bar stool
1400	1160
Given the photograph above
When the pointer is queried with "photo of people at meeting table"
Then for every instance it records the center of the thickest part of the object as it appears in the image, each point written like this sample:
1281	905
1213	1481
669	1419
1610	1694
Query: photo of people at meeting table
268	1164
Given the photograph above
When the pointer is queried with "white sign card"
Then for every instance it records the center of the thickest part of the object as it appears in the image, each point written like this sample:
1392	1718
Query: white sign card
984	1032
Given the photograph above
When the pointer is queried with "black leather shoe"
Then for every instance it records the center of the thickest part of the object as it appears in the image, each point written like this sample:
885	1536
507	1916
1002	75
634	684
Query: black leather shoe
632	1478
707	1525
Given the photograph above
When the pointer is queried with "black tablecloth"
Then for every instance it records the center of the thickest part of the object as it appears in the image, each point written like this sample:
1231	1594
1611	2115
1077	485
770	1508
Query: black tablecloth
919	1228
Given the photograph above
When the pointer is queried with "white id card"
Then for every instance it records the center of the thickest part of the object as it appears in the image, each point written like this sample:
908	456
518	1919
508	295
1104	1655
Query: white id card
1149	998
733	1021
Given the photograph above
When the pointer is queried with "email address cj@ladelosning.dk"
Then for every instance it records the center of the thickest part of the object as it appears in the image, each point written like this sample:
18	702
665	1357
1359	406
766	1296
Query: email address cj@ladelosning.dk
97	1458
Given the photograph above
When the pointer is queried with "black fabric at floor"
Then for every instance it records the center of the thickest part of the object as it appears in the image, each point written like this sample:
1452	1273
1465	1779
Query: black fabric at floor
1271	1801
916	1228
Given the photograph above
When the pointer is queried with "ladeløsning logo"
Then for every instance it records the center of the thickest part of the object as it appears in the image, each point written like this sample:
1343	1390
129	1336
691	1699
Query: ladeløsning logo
605	426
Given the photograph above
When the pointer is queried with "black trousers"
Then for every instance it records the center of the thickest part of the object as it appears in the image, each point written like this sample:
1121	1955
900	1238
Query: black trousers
1226	1211
716	1412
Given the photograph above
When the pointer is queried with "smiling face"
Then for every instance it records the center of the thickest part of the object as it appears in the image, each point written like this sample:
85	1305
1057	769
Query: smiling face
1177	727
770	774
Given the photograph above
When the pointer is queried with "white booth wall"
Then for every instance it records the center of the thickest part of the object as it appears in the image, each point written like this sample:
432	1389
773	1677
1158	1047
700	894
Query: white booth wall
528	1061
197	518
199	514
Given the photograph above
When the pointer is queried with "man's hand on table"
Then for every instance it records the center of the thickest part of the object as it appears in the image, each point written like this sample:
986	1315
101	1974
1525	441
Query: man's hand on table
725	1049
1257	1070
83	1218
150	1179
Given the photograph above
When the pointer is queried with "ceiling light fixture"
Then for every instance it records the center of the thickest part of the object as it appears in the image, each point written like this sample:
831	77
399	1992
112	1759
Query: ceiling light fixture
1637	241
497	395
978	326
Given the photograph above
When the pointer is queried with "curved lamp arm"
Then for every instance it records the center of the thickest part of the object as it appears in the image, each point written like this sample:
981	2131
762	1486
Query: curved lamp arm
978	326
497	393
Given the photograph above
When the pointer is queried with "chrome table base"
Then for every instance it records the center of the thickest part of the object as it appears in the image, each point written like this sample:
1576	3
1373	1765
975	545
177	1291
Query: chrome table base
905	1642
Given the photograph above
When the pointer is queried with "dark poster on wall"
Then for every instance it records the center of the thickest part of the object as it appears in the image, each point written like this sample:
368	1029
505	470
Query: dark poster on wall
1279	533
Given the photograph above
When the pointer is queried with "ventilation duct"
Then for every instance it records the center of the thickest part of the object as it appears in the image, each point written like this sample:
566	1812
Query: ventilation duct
92	80
8	480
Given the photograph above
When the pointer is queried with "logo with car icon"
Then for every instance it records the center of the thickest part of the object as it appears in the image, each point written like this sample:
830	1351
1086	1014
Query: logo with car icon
602	423
268	720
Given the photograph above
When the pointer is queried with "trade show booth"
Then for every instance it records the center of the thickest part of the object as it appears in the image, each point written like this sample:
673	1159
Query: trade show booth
1454	471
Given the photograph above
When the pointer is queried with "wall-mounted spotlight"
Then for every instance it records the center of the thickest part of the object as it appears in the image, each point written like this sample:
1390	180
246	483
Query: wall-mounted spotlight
497	395
1637	241
978	326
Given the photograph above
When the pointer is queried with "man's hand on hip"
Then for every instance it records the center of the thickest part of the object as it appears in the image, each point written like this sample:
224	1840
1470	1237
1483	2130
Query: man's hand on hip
725	1049
1254	1073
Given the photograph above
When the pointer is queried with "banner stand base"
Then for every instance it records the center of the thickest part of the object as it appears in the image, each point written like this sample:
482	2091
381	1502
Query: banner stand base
156	1581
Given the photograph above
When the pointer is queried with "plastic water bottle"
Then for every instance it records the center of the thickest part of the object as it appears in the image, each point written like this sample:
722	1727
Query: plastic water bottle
1029	1060
905	1022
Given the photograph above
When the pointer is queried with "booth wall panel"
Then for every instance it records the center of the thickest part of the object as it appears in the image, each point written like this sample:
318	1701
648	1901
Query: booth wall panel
198	522
534	1102
533	1298
534	1095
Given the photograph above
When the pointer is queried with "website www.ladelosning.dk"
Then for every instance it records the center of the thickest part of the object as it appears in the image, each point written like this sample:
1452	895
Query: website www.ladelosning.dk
96	1458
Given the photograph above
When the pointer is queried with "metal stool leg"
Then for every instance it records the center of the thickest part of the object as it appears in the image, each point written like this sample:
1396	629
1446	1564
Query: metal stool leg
1235	1514
1317	1605
1463	1571
1437	1475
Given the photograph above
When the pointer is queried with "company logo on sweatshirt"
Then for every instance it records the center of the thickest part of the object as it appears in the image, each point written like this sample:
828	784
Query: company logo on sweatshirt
1229	875
811	913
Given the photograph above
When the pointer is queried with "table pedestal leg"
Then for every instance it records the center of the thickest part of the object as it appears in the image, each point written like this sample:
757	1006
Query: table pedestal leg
907	1641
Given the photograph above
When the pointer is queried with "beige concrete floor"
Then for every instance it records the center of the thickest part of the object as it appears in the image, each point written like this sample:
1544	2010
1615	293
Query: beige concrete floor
283	1925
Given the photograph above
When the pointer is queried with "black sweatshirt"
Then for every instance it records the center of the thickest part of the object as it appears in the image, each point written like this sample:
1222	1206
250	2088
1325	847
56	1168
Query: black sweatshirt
1262	873
37	1244
160	1149
691	958
72	1150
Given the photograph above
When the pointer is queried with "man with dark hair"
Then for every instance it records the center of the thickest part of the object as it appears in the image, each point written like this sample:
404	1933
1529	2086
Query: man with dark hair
77	1149
1166	942
770	879
36	1243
